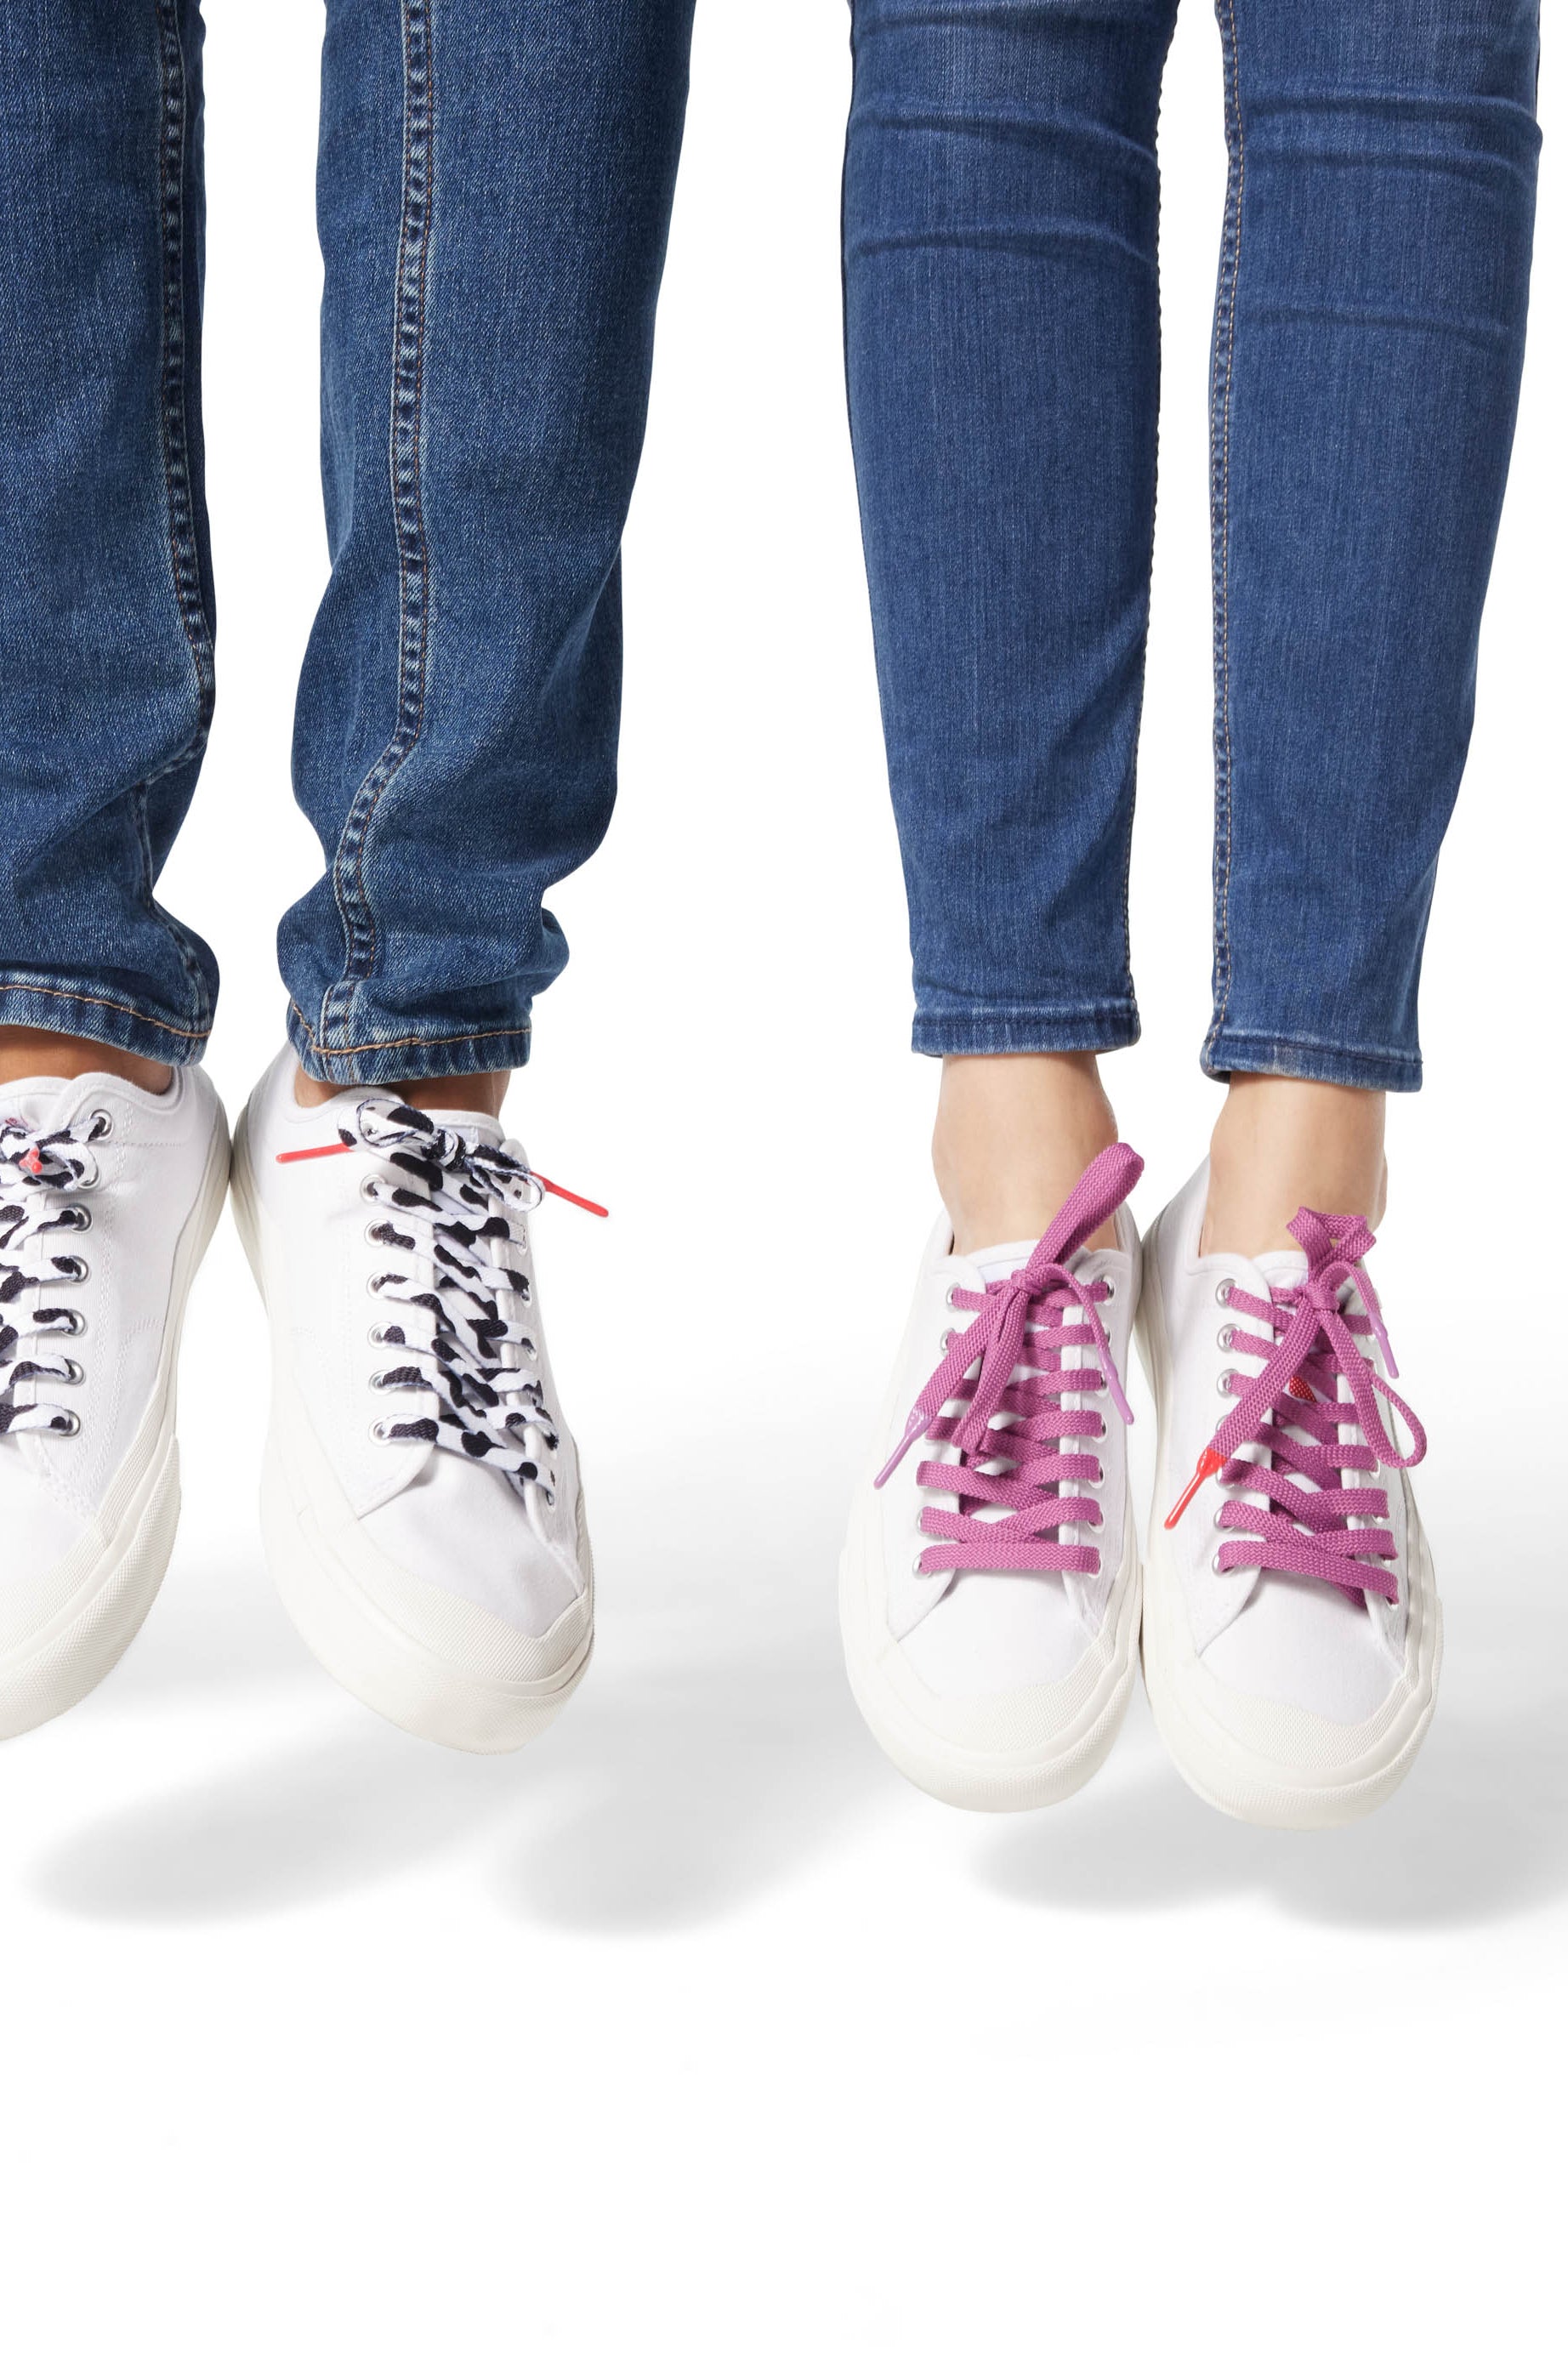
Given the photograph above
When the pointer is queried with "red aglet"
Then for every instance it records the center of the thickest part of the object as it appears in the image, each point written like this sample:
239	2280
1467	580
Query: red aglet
1208	1463
577	1200
316	1152
1297	1387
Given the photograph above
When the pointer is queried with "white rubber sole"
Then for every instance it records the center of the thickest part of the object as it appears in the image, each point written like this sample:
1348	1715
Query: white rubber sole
982	1775
341	1620
1335	1773
70	1655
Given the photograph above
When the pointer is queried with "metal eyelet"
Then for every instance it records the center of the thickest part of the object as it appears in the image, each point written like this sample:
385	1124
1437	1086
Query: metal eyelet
1219	1523
1099	1478
951	1299
1109	1290
72	1270
73	1376
67	1425
948	1337
380	1434
1223	1290
1226	1335
365	1183
102	1124
1223	1384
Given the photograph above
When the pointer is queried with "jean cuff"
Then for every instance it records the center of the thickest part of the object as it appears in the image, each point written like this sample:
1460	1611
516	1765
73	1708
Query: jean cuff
390	1062
37	1001
1028	1030
1380	1068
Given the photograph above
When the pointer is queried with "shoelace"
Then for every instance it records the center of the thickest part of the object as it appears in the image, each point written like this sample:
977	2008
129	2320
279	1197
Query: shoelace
453	1203
1290	1408
38	1172
1010	1361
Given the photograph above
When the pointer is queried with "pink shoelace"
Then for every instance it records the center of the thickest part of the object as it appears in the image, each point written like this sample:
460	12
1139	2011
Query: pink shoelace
1009	1361
1291	1406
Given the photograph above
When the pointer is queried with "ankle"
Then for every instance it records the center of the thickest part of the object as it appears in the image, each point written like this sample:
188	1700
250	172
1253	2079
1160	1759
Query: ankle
49	1054
1284	1144
480	1090
1014	1134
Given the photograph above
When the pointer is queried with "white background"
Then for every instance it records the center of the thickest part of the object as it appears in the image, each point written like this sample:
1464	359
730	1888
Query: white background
694	2025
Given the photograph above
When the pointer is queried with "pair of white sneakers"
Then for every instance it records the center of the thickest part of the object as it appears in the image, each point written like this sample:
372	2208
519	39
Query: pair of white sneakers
992	1592
421	1507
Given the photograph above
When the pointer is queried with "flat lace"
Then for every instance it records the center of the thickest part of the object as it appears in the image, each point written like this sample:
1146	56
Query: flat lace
1005	1399
452	1206
38	1174
1291	1408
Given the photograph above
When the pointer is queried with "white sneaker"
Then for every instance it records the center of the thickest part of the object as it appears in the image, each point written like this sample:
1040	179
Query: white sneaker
108	1200
1291	1641
991	1646
420	1500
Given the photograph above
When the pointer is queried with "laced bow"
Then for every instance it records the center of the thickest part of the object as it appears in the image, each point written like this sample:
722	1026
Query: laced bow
37	1172
1290	1408
454	1205
1010	1362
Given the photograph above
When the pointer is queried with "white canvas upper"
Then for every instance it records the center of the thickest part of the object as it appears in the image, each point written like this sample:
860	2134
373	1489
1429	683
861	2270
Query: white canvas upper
483	1590
991	1689
1307	1695
88	1518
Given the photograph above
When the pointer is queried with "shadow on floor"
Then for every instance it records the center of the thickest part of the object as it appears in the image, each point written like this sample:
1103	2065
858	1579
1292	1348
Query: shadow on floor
664	1795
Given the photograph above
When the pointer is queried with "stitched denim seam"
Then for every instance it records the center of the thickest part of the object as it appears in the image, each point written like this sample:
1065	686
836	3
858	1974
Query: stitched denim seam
1351	1050
174	403
361	940
1219	428
23	984
421	1038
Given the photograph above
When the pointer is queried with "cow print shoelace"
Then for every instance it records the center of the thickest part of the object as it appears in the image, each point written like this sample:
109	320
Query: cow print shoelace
39	1173
454	1209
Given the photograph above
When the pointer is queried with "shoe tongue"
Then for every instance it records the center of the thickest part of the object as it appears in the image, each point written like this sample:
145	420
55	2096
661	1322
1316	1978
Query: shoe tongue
1282	1270
43	1104
1001	1260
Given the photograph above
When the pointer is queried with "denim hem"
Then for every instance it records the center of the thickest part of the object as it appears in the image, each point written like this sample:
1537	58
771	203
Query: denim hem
1311	1058
32	1002
388	1062
1024	1029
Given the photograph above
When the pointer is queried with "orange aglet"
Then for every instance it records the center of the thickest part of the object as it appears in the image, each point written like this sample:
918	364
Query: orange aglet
1208	1463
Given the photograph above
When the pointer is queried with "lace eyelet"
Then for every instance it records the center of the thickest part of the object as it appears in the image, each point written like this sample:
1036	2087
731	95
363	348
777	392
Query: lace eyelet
1226	1335
1109	1290
1223	1384
380	1434
1223	1290
948	1337
73	1376
102	1124
365	1183
73	1269
949	1300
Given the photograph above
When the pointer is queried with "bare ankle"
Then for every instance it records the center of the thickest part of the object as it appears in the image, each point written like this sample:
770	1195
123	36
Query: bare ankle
1284	1144
480	1090
1014	1134
49	1054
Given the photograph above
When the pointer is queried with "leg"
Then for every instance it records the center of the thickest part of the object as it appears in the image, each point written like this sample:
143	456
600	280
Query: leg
494	197
106	620
1367	353
1000	224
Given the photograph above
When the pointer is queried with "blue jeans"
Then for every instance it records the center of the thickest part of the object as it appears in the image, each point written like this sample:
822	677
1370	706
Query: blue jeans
494	194
1000	209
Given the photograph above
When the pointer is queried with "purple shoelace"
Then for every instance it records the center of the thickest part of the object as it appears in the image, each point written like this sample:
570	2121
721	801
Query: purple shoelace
1291	1406
1010	1361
